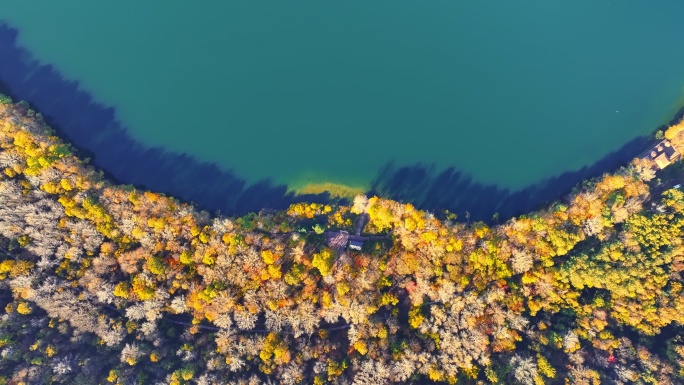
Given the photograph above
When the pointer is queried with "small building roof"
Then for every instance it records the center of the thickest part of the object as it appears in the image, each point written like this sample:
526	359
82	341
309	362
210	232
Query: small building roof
662	161
355	245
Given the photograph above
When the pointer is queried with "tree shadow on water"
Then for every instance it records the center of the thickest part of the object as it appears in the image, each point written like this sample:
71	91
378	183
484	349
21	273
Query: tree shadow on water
453	190
94	129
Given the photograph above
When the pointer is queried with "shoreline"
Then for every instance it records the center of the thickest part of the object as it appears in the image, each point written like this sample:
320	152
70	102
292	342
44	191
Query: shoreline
94	130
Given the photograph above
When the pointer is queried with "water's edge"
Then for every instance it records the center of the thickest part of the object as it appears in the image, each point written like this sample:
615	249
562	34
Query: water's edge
94	129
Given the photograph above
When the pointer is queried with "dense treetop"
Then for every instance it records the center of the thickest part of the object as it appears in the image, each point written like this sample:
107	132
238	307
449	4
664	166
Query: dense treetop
103	283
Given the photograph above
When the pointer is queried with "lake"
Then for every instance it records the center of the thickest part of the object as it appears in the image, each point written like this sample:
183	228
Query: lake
291	93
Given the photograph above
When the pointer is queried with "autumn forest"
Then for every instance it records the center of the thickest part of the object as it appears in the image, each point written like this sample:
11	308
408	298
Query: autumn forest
108	284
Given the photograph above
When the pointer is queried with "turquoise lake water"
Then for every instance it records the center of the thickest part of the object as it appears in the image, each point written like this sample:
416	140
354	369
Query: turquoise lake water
509	92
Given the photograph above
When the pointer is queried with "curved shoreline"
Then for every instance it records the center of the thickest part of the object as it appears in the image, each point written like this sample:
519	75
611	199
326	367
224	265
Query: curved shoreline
75	114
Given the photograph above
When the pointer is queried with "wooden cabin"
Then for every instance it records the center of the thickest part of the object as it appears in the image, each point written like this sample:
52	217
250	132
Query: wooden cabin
662	154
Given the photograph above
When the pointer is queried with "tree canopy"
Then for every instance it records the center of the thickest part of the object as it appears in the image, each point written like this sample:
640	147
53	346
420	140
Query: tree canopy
102	283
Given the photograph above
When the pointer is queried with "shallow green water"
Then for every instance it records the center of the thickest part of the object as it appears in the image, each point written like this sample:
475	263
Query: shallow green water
508	91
